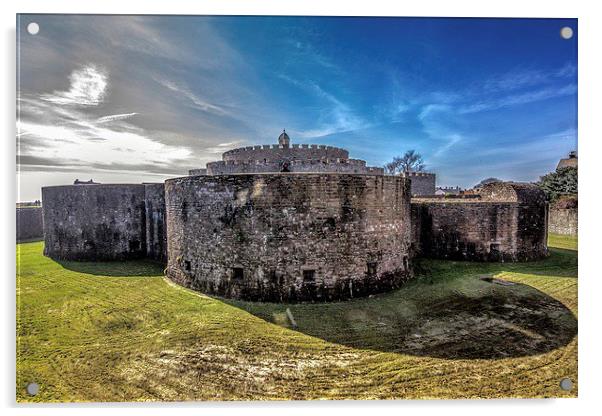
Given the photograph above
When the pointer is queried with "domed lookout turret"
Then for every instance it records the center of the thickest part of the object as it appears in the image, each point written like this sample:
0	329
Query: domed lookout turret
283	139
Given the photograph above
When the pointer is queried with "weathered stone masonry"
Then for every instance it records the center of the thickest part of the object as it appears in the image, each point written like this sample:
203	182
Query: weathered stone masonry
288	237
95	222
156	227
423	183
507	222
29	224
563	218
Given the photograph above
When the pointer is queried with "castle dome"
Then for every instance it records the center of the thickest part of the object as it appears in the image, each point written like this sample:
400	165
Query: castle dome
283	139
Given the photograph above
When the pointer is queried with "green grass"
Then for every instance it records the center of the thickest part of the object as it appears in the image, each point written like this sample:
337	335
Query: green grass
563	241
122	332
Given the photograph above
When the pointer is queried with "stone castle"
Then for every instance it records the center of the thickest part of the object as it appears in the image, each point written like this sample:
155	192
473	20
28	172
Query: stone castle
292	223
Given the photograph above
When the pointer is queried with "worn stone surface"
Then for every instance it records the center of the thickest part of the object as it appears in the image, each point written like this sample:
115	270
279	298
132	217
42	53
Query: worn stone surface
506	223
94	222
29	224
288	237
289	165
156	227
283	157
563	221
300	223
423	183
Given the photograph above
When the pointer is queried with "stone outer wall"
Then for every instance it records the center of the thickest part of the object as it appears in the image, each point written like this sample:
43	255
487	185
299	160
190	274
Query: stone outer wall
507	223
288	237
94	222
423	183
30	225
563	221
303	166
156	227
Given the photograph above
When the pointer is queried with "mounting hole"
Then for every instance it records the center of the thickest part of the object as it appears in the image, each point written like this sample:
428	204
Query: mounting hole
32	389
566	32
566	384
33	28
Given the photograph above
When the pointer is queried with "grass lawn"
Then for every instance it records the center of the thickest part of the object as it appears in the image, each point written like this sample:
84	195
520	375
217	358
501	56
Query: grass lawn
563	241
121	332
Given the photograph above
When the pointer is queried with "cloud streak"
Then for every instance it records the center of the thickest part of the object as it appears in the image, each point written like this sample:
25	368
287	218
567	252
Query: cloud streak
115	117
88	87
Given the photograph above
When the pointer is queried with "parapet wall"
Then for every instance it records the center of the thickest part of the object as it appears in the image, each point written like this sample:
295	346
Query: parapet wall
277	152
423	183
508	222
288	237
29	224
94	222
275	166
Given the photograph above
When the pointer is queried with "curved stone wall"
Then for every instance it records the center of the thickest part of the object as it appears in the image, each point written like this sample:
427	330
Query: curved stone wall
94	222
507	222
277	152
288	237
276	166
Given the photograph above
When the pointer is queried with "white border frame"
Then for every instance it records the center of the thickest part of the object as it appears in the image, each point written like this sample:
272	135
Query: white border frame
590	137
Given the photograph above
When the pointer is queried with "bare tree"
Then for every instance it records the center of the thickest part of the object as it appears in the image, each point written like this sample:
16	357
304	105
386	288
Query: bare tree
411	161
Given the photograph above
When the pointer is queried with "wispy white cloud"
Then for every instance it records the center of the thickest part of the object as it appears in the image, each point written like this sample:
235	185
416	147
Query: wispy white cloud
222	147
88	86
59	125
336	115
452	139
519	78
440	124
519	99
115	117
186	93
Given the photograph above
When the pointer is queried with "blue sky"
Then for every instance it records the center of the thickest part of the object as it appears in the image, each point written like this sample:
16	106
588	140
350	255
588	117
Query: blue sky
132	98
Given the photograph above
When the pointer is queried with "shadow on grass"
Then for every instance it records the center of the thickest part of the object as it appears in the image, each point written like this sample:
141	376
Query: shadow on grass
126	268
446	312
492	323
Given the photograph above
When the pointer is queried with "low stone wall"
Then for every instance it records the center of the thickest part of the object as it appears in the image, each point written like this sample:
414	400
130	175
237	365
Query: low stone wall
288	237
563	221
563	217
508	222
94	222
30	225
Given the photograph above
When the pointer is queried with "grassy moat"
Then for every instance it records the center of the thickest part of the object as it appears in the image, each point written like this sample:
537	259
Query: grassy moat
122	332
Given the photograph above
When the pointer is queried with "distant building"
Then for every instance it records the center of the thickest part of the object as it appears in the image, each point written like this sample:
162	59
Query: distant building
448	190
473	191
570	162
90	182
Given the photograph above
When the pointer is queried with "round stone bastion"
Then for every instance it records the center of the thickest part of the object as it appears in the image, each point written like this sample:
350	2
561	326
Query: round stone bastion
290	236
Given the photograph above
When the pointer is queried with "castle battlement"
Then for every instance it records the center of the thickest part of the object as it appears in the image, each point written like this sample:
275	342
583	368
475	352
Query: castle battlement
418	174
301	205
284	157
